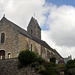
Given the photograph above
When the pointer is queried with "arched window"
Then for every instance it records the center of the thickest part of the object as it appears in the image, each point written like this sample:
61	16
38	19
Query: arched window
8	55
31	32
2	37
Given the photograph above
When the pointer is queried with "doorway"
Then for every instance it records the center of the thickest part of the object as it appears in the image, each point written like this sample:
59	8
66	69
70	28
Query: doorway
2	54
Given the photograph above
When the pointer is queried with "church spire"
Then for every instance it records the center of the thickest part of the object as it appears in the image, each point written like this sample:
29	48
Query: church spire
34	28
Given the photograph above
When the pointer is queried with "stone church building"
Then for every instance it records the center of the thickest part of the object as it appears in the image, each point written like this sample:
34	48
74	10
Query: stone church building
14	39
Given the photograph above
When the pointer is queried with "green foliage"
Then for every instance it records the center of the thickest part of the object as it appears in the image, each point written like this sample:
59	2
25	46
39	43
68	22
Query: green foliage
46	68
49	64
50	68
51	71
71	67
40	68
40	60
31	58
61	66
70	64
71	71
27	57
53	60
34	64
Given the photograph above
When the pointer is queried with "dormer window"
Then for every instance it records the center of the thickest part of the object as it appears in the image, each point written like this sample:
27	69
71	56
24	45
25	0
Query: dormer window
2	37
8	55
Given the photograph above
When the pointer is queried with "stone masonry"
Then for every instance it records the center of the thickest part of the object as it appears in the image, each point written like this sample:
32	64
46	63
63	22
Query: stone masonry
11	39
10	67
17	39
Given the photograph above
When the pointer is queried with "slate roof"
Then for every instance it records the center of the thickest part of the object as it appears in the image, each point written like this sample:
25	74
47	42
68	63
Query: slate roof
24	32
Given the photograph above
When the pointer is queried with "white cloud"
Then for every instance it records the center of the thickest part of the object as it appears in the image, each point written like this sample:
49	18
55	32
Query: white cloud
62	26
21	11
61	35
64	51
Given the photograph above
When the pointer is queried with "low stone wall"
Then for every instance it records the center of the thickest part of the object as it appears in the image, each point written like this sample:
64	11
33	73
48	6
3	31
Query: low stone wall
10	67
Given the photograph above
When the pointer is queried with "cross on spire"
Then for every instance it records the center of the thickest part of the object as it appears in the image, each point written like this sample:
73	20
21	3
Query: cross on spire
3	15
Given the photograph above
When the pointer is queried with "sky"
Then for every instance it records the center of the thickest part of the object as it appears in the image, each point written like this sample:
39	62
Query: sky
55	17
62	2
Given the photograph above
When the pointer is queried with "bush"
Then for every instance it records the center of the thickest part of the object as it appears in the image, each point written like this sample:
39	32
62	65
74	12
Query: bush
50	68
49	64
51	71
40	68
61	66
45	68
40	60
70	64
71	71
34	64
27	57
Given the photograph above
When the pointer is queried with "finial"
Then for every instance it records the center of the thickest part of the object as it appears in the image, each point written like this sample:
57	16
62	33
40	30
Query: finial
3	15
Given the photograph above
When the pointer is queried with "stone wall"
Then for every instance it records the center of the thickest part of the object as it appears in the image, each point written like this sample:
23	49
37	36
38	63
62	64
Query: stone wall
10	67
10	44
25	43
47	54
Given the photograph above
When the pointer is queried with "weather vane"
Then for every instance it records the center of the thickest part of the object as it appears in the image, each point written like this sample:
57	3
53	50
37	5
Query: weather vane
3	15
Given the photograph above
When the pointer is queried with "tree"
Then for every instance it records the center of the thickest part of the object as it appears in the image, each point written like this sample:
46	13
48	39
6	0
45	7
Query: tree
27	57
71	64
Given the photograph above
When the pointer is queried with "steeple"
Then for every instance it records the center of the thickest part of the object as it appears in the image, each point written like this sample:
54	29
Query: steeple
34	28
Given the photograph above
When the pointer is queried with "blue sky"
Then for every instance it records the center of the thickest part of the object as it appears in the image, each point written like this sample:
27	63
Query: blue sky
62	2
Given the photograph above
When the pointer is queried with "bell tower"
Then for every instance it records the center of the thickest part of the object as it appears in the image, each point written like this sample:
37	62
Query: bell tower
34	28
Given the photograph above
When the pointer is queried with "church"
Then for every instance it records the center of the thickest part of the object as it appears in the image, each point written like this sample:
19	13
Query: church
14	39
